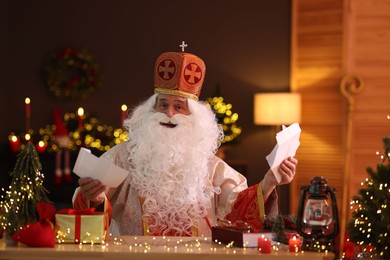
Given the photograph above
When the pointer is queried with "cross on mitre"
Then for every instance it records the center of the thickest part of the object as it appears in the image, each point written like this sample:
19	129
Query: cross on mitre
166	69
193	73
183	45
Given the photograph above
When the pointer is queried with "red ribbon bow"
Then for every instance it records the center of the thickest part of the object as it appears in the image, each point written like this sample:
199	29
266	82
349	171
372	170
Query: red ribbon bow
77	213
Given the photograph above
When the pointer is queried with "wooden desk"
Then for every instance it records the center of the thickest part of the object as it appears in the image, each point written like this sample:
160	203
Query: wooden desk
148	248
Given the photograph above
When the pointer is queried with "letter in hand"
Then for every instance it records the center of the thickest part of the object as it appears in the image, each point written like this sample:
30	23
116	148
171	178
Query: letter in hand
93	190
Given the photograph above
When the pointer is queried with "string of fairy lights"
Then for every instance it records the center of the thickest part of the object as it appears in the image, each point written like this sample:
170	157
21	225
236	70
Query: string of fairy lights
89	133
370	210
17	205
174	245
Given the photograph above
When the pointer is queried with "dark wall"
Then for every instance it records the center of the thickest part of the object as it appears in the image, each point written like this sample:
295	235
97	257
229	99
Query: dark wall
245	45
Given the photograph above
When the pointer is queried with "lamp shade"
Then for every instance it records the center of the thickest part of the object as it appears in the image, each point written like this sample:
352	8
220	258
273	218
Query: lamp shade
277	108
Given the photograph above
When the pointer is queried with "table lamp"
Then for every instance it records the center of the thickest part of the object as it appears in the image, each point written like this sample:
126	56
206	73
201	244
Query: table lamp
277	108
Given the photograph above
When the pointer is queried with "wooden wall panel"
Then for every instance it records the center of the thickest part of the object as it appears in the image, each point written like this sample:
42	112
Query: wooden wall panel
369	59
331	39
317	66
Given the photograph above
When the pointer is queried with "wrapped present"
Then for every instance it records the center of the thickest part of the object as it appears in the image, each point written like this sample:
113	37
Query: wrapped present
81	226
238	237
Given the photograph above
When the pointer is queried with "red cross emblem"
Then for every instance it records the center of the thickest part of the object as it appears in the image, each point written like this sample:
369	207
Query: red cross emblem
166	69
192	73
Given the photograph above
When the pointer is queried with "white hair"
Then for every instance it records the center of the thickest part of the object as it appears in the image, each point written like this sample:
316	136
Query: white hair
169	166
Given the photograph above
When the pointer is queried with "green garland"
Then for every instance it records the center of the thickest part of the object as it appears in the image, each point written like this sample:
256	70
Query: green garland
71	73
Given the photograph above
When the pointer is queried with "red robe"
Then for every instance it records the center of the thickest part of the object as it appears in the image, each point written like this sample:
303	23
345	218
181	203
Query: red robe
235	202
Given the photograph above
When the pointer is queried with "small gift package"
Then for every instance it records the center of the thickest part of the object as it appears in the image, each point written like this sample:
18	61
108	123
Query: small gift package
238	238
81	226
238	234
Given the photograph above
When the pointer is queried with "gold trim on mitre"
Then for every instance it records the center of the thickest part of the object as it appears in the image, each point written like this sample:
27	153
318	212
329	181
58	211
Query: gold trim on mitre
175	93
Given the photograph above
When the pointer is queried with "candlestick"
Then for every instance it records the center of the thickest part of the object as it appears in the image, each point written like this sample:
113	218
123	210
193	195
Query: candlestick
14	143
264	245
80	113
123	114
294	244
41	147
27	101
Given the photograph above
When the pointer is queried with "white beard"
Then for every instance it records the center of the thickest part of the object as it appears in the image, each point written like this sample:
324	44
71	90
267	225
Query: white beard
170	165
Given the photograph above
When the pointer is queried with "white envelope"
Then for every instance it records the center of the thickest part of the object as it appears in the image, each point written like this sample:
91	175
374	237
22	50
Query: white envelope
287	143
88	165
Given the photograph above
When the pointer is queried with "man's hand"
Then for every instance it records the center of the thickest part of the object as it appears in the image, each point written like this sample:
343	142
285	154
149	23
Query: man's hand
93	190
287	173
287	170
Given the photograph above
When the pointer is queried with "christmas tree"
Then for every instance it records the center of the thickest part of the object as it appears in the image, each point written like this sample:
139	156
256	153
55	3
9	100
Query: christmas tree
370	224
18	205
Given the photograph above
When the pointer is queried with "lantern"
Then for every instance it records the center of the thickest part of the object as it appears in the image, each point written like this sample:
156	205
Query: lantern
317	220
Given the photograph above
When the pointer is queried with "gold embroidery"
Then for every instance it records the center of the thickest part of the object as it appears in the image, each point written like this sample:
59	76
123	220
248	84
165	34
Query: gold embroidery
260	201
145	223
176	93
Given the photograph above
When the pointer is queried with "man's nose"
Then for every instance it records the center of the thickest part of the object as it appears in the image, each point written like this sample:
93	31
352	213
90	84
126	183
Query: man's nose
170	112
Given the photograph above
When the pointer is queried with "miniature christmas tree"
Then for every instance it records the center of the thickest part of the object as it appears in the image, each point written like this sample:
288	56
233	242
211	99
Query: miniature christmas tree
280	225
18	205
370	224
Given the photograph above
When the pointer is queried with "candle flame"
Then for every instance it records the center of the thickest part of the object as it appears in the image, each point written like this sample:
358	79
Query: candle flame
27	100
124	107
27	137
80	111
14	138
41	144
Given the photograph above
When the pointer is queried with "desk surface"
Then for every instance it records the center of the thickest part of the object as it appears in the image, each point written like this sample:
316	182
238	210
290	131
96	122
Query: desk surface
147	248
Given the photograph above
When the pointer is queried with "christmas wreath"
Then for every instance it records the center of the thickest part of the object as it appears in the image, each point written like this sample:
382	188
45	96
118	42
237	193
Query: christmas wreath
71	73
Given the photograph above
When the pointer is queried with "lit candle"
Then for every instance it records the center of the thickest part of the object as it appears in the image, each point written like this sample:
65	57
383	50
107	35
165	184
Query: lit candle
264	245
294	244
124	113
14	143
80	113
28	112
41	147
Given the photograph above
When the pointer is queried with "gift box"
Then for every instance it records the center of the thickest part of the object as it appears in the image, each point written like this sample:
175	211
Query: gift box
237	238
81	226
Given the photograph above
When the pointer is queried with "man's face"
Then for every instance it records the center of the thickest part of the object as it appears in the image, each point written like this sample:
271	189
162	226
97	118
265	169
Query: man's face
171	105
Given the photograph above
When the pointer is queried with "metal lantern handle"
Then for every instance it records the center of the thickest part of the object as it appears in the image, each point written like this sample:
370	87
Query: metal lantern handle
301	205
332	192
